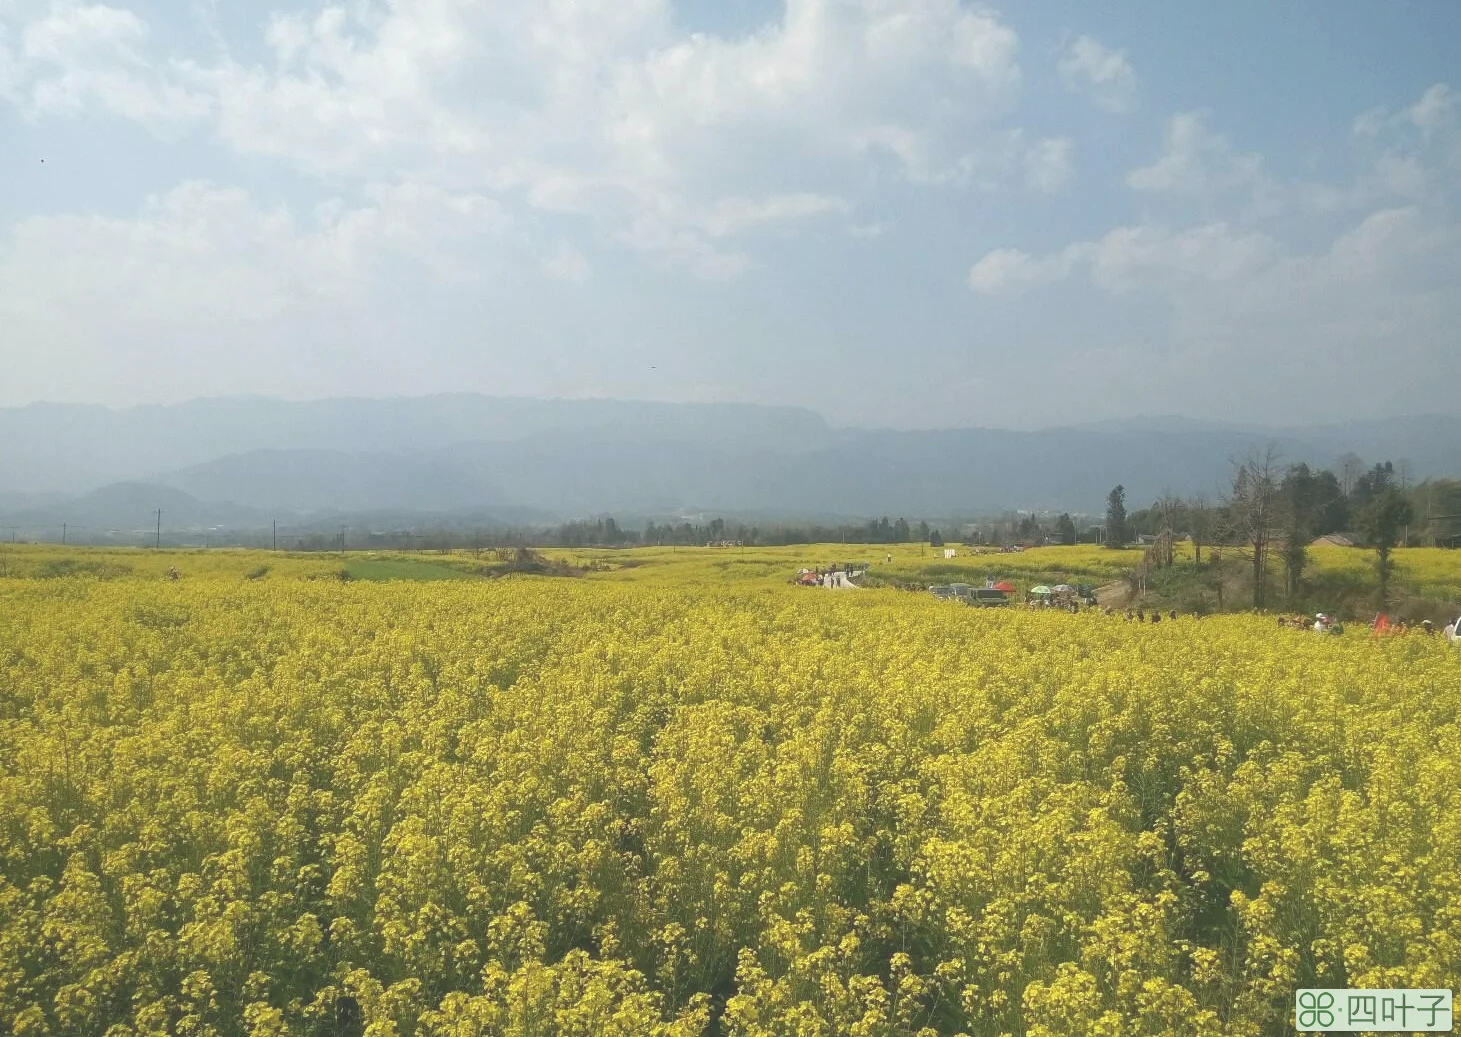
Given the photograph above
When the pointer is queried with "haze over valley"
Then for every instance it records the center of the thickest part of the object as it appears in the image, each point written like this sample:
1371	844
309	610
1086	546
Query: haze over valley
494	461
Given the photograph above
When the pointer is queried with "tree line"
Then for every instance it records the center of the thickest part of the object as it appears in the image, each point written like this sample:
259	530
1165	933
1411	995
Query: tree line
1272	512
605	532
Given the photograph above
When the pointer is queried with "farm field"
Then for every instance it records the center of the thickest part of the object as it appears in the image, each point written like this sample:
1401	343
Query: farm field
651	801
1432	572
912	564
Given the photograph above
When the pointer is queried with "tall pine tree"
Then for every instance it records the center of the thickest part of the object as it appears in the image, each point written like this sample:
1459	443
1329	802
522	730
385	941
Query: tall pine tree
1116	532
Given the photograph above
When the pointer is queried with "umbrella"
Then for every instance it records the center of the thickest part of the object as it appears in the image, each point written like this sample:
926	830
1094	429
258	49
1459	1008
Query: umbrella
1064	588
1006	586
1041	590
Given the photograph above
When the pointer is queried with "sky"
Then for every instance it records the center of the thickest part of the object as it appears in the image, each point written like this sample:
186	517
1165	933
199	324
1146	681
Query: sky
903	213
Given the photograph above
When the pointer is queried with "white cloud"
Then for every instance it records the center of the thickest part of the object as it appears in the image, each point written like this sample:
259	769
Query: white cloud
1437	113
1049	164
1402	175
1197	162
1369	122
79	56
596	108
686	249
1224	270
1355	316
207	290
868	231
1008	270
1133	258
198	250
10	71
1438	110
1410	155
568	264
1090	67
1358	317
732	216
907	80
211	255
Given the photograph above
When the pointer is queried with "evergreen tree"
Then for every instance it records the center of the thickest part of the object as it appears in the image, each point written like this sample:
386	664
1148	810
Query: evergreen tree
1331	506
1116	533
935	539
1300	497
1387	511
1371	485
1065	529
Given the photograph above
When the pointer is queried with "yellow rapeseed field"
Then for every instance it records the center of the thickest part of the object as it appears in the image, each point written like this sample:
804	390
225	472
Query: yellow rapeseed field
637	804
910	563
1427	571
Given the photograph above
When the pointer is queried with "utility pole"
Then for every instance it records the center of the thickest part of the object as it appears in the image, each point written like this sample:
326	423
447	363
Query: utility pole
63	534
276	534
342	539
159	529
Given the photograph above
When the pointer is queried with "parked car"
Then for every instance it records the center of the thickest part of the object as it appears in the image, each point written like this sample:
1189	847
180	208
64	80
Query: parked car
987	597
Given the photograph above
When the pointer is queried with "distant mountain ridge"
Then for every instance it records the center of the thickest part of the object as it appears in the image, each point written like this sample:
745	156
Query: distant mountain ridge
52	447
244	461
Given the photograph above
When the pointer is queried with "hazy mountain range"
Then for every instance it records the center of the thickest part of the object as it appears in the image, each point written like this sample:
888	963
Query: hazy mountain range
243	462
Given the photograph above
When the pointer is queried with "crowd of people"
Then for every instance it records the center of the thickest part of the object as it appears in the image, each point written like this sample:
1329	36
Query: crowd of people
1140	615
1131	615
1323	623
1063	604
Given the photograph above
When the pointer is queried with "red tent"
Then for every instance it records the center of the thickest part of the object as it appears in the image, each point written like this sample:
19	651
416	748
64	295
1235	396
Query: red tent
1006	586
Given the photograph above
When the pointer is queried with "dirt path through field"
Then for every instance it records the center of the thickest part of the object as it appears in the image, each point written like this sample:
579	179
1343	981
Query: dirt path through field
1115	594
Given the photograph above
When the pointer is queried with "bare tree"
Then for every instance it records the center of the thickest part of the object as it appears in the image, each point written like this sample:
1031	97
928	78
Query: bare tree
1350	470
1169	512
1405	472
1254	513
1199	524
